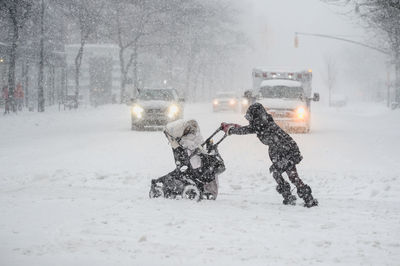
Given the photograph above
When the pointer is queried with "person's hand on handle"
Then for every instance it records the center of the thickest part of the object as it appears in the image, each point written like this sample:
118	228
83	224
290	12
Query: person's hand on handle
227	126
224	126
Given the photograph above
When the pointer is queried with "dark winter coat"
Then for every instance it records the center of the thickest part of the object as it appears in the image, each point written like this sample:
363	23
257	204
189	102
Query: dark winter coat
283	150
181	157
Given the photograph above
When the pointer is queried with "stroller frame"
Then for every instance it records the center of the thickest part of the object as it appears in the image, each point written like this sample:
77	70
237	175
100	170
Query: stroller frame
190	183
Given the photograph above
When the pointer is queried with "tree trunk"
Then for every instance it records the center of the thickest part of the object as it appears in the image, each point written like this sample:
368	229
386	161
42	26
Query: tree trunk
135	69
78	62
26	84
397	78
188	77
11	67
63	92
53	83
41	63
121	59
123	73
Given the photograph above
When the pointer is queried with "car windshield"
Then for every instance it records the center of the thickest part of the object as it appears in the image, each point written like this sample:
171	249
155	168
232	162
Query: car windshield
282	92
225	95
156	95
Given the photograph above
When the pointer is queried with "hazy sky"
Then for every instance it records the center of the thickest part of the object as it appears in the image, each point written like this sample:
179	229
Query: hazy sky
271	25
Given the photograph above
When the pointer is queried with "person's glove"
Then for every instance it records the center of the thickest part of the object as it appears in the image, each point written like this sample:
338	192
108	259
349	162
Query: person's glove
227	126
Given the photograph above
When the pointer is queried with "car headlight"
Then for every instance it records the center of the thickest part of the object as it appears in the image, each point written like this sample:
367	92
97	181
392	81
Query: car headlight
232	101
301	112
173	110
215	102
245	101
137	111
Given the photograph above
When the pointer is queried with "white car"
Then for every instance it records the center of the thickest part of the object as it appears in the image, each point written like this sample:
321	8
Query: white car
156	107
225	101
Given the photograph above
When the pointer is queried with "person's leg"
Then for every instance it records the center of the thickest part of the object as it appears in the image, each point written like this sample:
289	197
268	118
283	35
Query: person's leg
303	190
283	188
294	177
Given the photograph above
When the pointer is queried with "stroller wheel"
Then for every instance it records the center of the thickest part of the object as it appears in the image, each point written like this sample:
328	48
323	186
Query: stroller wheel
156	192
209	196
191	192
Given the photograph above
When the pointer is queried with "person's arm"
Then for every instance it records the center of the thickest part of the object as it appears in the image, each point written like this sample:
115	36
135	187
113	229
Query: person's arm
237	129
241	130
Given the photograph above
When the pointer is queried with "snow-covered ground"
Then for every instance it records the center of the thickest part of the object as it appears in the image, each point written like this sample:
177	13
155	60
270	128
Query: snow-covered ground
74	191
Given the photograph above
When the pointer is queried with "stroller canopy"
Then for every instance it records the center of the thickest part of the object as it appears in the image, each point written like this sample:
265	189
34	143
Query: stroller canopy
177	130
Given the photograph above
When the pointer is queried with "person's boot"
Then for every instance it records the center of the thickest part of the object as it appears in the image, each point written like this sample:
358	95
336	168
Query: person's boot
284	190
304	192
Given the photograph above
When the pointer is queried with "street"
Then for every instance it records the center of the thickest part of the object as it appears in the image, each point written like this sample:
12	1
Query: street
74	190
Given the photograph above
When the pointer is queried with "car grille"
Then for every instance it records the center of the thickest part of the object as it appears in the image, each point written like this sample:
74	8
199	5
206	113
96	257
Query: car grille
281	113
155	111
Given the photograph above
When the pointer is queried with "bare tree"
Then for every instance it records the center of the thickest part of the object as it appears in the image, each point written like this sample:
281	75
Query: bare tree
330	76
18	12
134	22
42	41
384	17
87	14
41	100
206	29
188	35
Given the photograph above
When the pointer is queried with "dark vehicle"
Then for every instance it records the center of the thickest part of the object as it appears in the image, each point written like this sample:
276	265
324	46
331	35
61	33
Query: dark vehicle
155	107
191	183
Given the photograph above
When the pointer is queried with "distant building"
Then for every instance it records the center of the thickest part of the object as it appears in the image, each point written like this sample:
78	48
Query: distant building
100	76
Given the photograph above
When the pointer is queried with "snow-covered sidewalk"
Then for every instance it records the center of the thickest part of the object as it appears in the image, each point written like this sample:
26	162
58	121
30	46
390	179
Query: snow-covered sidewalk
74	191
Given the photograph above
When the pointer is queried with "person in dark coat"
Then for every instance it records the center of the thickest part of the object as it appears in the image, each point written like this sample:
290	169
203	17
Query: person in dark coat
283	152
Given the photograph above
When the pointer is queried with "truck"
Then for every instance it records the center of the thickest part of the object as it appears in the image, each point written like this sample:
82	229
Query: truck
287	96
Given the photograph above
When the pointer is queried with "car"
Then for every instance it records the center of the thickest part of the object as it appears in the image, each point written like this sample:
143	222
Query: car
246	100
225	101
338	100
155	108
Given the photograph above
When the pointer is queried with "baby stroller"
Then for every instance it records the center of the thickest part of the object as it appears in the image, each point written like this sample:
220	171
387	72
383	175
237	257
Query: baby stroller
186	182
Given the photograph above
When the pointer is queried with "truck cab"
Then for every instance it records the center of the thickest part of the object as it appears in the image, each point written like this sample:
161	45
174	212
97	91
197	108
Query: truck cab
286	96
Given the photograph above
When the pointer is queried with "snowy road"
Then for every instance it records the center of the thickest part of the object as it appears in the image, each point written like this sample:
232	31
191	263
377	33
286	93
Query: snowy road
74	191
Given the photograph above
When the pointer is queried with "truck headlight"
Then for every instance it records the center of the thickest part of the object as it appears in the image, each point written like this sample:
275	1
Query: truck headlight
215	102
301	112
137	110
245	101
173	110
232	101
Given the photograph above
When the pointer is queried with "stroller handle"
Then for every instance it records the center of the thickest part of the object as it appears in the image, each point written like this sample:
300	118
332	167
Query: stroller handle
205	142
212	135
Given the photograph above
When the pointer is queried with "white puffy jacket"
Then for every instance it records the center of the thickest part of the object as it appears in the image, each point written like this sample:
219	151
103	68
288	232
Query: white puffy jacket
189	142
